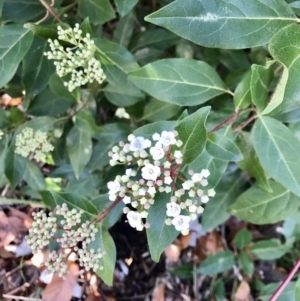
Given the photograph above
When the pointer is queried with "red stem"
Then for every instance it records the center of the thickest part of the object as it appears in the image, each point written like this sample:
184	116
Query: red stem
285	282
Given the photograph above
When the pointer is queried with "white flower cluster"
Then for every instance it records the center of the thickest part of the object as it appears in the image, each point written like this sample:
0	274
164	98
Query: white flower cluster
153	167
65	227
78	61
1	134
31	142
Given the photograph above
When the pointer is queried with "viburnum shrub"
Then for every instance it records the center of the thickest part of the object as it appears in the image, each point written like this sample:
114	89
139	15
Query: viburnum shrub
178	114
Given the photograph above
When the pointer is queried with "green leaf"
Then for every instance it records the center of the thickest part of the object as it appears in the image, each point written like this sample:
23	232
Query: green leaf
125	6
4	118
250	163
79	148
53	198
258	206
105	242
155	127
124	30
43	31
179	81
242	238
260	80
287	295
270	249
297	289
230	24
47	103
192	132
3	152
85	121
183	271
14	43
15	166
215	166
218	263
284	47
57	87
223	148
295	5
242	94
34	177
226	192
156	110
37	69
159	235
99	12
277	151
87	186
21	10
246	264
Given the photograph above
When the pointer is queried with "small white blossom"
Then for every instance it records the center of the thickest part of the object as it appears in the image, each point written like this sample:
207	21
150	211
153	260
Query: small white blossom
192	208
168	180
181	222
211	192
173	209
121	113
204	199
150	172
135	220
156	137
157	152
167	138
139	144
126	199
205	173
113	186
178	154
197	177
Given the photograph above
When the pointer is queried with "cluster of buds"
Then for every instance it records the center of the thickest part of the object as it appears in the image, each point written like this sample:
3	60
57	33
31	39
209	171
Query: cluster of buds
66	228
35	143
78	61
154	167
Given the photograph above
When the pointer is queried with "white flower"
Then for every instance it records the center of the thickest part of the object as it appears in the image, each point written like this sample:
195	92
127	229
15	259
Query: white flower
173	209
211	192
193	208
139	144
181	222
113	186
127	199
187	185
204	199
167	138
197	177
177	154
168	180
121	113
205	173
156	137
135	220
150	172
157	152
152	190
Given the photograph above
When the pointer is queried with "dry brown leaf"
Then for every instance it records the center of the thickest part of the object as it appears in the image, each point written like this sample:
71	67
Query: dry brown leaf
25	218
159	293
8	101
185	240
61	289
7	231
243	292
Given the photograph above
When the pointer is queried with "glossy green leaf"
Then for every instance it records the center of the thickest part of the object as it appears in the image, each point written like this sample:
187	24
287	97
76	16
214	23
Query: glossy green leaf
183	271
124	30
260	80
246	264
288	293
297	289
47	103
43	31
250	163
15	166
179	81
105	242
156	110
4	118
192	132
215	166
85	121
258	206
14	44
79	148
159	235
295	5
277	151
155	127
34	177
284	47
223	148
87	186
242	93
227	190
125	6
37	69
230	24
22	10
270	249
218	263
99	12
242	238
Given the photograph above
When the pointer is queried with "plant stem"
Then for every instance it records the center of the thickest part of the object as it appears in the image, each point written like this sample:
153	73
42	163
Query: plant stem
240	127
50	10
285	282
230	120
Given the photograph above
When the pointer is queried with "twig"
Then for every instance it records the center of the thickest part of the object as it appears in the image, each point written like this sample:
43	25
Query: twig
285	282
240	127
50	10
230	120
20	298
